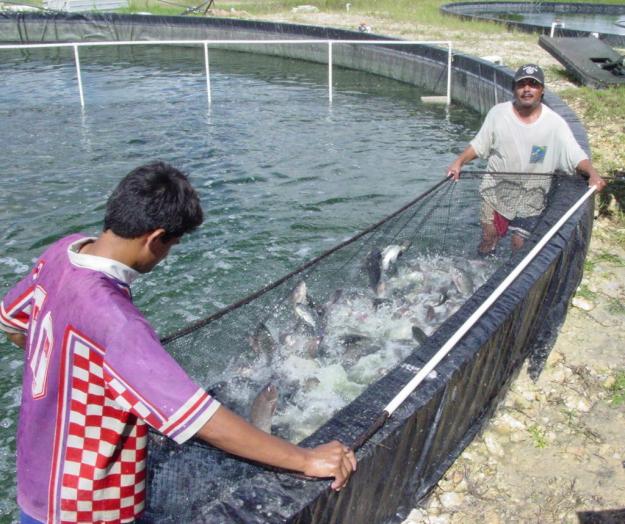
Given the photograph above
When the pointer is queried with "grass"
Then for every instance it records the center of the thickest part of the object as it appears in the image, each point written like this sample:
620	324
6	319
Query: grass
617	390
616	307
589	266
610	259
538	436
584	292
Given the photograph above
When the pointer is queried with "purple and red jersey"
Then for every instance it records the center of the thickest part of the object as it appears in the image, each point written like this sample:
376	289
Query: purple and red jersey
95	376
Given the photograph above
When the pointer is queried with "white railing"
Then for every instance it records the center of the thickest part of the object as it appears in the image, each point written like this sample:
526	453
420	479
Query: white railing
206	43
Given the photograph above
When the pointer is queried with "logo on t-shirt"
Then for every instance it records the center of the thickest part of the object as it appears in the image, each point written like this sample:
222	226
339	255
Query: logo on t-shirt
538	154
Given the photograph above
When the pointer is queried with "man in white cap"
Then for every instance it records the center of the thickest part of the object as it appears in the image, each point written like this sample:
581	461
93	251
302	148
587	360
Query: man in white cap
521	136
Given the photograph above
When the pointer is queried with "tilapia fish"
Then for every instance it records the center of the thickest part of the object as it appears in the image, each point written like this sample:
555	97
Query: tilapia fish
262	341
462	281
378	264
263	407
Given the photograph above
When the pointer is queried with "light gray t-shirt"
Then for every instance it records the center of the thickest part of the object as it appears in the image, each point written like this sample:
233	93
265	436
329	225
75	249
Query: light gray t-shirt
510	145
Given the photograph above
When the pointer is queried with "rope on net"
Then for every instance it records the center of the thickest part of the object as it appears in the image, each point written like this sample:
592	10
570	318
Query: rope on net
301	269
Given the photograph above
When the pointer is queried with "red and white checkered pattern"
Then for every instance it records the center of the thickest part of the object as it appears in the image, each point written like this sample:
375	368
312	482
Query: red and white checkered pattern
104	471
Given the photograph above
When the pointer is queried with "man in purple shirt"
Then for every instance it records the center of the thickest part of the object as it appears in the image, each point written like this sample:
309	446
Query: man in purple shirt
96	374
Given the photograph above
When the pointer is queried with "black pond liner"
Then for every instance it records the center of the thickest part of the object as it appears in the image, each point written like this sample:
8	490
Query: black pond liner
490	10
402	462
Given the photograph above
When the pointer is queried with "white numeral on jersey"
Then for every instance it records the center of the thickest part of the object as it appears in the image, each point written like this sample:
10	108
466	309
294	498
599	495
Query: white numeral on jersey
40	346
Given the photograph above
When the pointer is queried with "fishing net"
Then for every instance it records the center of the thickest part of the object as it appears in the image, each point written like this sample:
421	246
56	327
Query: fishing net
293	354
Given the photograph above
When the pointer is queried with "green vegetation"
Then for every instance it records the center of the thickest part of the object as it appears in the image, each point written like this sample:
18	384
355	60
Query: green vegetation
616	307
538	436
610	259
617	390
584	292
601	104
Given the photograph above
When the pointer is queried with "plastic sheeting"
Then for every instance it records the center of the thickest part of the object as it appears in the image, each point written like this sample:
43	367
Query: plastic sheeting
403	461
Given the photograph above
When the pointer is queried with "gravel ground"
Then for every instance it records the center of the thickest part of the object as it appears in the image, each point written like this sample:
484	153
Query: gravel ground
554	451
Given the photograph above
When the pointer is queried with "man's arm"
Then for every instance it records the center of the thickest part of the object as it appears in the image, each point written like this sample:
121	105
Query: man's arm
231	433
466	156
594	179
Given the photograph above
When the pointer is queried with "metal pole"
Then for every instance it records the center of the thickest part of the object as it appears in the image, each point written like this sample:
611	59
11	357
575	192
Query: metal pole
449	74
77	60
208	80
330	71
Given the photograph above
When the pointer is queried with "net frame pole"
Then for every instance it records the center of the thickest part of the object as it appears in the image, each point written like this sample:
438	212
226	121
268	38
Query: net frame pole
330	71
208	79
449	58
207	69
80	90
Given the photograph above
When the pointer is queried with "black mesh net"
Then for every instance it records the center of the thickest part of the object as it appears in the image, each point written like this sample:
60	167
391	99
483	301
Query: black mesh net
290	356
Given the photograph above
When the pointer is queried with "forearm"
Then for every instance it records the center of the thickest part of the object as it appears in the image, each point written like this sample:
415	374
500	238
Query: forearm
466	156
585	166
231	433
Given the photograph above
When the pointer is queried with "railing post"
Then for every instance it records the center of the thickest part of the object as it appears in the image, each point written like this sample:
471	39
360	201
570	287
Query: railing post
330	71
77	60
449	73
208	80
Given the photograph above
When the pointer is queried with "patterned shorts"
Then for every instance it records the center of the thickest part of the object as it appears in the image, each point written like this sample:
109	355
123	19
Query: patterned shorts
522	226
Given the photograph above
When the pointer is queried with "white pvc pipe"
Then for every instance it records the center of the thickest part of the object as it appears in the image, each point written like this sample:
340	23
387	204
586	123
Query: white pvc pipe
449	74
208	81
216	42
77	60
330	71
462	330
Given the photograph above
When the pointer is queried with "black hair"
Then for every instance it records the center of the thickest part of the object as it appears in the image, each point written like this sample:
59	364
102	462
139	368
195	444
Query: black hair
153	196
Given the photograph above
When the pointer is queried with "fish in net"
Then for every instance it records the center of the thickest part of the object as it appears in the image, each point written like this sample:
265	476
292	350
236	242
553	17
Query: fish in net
293	354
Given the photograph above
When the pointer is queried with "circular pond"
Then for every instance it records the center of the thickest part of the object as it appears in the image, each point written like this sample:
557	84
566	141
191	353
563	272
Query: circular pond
418	443
573	19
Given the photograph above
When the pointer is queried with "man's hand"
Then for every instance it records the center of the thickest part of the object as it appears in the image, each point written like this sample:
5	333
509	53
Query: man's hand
466	156
228	431
596	180
331	460
454	170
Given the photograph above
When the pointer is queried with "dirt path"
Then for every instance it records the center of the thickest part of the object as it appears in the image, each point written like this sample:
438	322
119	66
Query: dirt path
555	448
